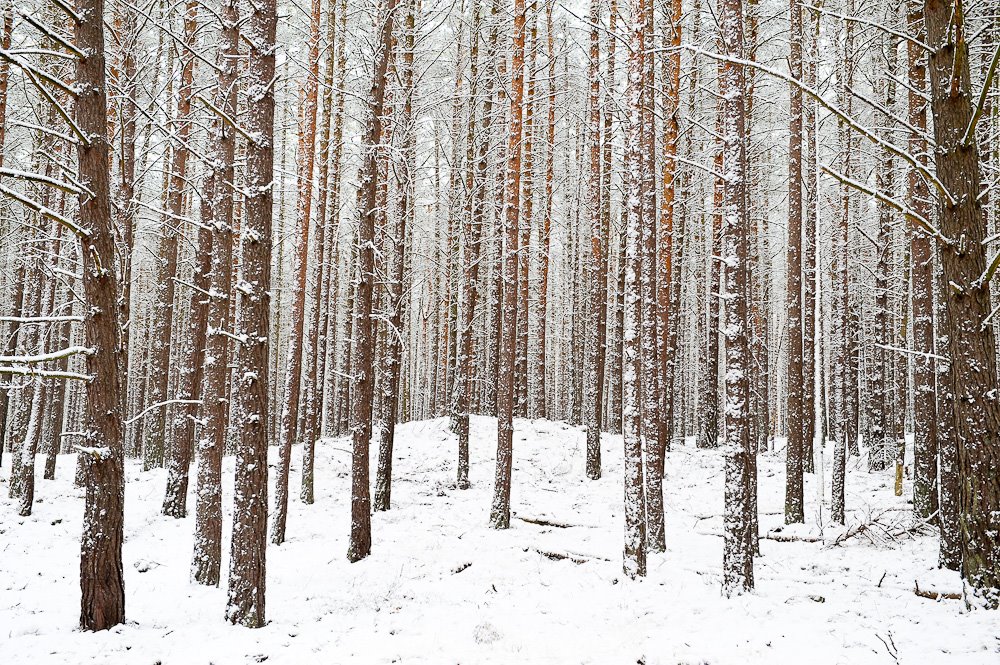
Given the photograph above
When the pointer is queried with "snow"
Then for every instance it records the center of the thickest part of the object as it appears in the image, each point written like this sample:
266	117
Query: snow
442	587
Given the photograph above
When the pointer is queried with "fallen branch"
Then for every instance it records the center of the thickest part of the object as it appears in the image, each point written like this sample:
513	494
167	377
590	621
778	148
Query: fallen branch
935	595
541	521
790	538
570	556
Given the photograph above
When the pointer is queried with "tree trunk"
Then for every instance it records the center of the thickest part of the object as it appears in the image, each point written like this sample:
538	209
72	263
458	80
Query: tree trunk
740	536
303	219
397	263
794	510
971	345
102	585
596	296
363	332
217	215
925	471
249	541
500	509
635	504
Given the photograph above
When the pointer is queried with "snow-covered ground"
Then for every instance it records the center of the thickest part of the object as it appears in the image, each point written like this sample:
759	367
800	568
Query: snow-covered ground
441	587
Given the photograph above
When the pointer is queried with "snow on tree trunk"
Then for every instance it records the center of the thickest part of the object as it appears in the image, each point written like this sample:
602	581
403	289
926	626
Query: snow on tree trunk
740	536
593	352
635	500
362	389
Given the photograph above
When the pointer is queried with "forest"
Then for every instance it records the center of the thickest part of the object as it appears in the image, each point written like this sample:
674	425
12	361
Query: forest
584	331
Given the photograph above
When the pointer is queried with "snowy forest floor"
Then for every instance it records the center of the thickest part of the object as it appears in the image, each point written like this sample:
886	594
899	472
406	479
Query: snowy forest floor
441	587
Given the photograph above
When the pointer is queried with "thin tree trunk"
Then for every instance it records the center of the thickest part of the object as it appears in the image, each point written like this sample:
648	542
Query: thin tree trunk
925	471
794	509
363	331
595	259
303	219
740	536
158	439
472	230
634	564
397	263
217	215
500	509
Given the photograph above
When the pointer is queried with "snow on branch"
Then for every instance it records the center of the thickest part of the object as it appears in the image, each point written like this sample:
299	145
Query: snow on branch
888	200
94	452
51	33
872	24
40	319
159	405
920	168
48	357
970	131
45	211
44	373
67	187
225	118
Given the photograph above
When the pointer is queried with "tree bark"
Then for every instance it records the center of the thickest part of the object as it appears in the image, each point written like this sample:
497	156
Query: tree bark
363	332
740	536
102	585
247	561
217	215
794	510
500	509
971	345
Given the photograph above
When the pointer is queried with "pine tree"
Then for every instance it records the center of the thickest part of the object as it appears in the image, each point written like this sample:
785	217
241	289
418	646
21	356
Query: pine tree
217	216
247	562
363	332
102	585
500	509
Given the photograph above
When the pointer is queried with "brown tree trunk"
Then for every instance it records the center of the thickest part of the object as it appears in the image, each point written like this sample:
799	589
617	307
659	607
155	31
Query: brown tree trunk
393	353
810	180
653	441
925	471
158	437
363	332
541	406
708	399
191	368
794	509
614	421
500	509
472	230
971	345
527	207
249	541
303	218
844	433
634	563
217	215
668	277
102	585
740	536
594	261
